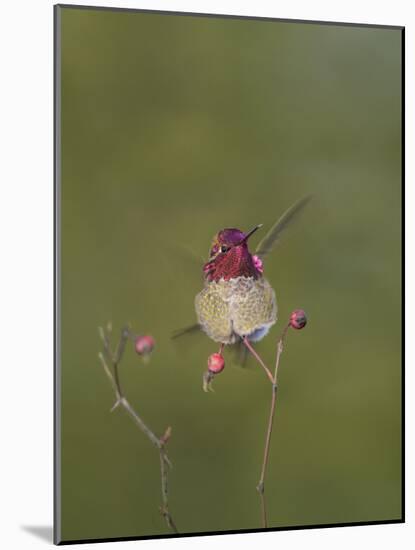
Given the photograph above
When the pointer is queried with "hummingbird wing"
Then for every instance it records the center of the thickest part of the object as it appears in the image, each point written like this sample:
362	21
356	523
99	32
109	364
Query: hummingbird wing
191	329
273	235
191	265
179	260
240	356
240	353
185	254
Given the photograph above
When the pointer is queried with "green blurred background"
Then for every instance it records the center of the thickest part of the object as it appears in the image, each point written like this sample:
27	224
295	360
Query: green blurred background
174	127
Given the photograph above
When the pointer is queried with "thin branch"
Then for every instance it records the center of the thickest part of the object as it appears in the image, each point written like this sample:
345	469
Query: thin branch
159	442
164	492
258	358
274	387
108	373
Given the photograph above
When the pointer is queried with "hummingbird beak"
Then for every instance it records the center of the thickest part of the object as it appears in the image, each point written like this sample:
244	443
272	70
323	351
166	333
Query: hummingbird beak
250	233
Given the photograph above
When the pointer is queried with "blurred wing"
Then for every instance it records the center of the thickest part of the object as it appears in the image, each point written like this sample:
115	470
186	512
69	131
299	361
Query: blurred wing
189	263
185	253
180	262
240	354
271	238
191	329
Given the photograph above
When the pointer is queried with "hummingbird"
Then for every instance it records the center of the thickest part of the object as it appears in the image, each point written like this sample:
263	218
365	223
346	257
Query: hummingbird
237	301
237	304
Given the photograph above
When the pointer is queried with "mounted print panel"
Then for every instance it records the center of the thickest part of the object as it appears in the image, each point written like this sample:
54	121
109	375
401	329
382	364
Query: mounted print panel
228	274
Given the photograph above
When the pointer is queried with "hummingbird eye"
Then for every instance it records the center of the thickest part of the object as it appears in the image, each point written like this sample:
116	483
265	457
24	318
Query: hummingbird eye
224	248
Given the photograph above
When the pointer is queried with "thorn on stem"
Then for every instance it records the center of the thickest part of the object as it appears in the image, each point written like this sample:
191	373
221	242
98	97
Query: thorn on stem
166	436
116	404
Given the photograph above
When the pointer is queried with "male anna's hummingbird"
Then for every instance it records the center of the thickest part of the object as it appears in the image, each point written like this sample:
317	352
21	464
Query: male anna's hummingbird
237	303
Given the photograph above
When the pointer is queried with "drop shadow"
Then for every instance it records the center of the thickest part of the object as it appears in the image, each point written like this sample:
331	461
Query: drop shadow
44	532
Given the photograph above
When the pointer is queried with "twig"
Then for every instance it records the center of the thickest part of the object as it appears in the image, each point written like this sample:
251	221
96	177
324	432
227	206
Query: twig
164	491
114	358
274	386
258	358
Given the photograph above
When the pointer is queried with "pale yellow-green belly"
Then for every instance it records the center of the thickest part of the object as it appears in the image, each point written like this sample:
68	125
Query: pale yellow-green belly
229	310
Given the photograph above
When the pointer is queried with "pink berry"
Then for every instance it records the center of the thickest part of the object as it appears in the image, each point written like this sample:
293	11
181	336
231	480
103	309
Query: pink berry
298	319
144	344
216	363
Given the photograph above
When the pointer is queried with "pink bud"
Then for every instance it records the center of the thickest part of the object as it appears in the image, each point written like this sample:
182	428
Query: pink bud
298	319
216	363
144	345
